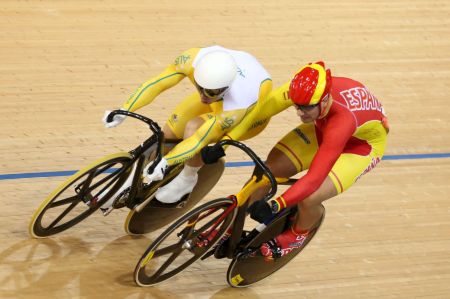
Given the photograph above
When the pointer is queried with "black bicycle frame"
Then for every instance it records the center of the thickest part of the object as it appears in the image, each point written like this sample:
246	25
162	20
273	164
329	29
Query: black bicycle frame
259	165
138	152
238	224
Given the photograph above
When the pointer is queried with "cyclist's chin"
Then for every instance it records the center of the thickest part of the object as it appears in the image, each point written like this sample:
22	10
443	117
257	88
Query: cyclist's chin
306	119
206	100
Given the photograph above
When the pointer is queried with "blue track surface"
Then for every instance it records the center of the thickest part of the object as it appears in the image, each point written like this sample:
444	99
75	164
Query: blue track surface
46	174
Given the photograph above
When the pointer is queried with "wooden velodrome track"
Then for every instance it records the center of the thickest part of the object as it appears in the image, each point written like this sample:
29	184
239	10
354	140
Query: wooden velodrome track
62	63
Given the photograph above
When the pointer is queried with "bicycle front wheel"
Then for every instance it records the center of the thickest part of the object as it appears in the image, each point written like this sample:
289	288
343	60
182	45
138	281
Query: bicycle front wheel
185	241
79	196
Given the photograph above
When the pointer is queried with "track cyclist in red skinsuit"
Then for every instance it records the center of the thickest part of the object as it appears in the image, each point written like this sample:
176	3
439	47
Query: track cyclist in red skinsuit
342	137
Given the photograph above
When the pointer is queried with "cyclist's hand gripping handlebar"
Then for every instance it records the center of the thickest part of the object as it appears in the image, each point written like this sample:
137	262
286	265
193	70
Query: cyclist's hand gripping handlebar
154	127
212	153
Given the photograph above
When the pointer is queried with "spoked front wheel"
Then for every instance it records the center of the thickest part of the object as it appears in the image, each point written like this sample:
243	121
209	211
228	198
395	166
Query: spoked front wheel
185	241
81	195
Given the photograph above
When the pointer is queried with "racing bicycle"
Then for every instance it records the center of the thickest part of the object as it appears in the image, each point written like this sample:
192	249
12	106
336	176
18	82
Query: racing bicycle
88	189
199	234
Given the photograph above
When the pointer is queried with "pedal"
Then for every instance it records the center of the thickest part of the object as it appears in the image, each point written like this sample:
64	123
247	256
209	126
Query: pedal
249	253
220	249
181	204
122	199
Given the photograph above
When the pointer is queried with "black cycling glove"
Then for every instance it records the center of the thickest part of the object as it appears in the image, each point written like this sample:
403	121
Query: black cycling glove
212	153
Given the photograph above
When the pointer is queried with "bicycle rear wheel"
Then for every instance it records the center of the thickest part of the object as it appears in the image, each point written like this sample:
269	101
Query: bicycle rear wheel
185	241
246	269
78	196
153	217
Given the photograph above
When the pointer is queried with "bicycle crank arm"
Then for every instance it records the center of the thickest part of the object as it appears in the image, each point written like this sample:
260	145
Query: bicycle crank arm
142	205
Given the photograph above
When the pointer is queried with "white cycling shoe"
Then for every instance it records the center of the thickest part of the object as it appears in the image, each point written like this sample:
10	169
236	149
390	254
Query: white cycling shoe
177	188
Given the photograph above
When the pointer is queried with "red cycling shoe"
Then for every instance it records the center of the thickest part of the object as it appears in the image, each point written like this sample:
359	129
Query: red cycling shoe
283	244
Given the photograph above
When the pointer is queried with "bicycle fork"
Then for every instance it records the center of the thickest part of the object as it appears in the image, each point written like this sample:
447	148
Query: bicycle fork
205	238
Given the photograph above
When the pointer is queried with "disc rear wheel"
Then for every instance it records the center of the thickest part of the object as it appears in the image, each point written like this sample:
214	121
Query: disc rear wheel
156	215
248	268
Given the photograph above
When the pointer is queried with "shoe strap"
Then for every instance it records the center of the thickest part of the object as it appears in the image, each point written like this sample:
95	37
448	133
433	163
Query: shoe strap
275	248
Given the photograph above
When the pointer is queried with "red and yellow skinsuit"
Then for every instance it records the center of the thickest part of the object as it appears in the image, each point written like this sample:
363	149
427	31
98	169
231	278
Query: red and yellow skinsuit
346	143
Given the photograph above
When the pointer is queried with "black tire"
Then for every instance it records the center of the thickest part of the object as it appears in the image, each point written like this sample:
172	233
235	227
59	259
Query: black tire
66	206
182	243
245	270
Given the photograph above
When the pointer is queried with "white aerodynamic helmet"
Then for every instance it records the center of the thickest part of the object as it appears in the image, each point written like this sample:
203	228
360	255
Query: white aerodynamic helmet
215	70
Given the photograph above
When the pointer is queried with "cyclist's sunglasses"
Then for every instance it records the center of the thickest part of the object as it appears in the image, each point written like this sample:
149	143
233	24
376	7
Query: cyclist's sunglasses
212	93
309	108
306	108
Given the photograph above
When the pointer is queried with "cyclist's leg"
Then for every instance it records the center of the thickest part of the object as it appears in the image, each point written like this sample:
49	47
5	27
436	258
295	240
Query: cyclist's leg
343	174
310	209
185	112
203	130
349	167
199	132
187	118
280	166
292	154
192	126
173	132
186	115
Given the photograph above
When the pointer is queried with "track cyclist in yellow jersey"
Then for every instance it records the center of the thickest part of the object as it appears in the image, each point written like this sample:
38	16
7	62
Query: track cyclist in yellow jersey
229	85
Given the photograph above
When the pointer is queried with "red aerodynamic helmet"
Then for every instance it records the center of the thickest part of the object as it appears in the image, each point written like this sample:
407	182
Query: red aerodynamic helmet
310	85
